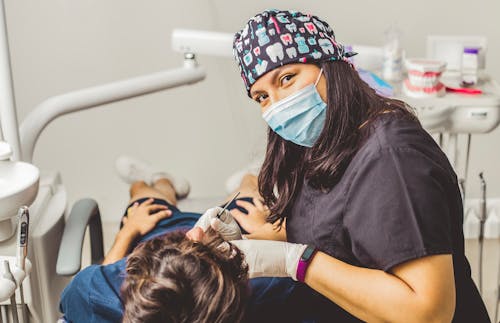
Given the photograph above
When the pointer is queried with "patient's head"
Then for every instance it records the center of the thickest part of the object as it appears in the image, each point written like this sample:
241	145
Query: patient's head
176	279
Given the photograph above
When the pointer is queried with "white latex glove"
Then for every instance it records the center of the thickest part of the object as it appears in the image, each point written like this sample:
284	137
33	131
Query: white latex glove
267	258
226	225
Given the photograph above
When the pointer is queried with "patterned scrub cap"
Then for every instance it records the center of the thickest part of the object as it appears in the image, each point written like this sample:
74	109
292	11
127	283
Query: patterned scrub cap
275	38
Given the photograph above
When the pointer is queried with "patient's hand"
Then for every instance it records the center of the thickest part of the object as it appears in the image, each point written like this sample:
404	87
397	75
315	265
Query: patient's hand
142	218
255	222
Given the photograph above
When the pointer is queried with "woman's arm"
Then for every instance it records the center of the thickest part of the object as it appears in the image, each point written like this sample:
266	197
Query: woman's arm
421	290
140	220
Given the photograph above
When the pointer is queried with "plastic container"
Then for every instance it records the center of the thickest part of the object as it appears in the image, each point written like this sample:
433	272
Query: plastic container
392	66
470	64
424	78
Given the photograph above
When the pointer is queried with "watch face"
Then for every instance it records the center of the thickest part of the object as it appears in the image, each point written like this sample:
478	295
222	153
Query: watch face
307	253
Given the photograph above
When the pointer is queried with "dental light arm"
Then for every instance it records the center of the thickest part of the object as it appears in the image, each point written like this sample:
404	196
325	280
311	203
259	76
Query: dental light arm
85	213
203	42
189	42
56	106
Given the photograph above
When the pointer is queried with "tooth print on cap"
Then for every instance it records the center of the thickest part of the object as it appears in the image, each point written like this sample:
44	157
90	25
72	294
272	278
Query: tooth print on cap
275	38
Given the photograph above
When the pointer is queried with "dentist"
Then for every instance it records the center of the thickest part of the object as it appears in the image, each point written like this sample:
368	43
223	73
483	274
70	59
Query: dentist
370	203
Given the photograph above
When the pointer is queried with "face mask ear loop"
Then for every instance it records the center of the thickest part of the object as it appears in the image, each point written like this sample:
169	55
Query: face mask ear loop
319	76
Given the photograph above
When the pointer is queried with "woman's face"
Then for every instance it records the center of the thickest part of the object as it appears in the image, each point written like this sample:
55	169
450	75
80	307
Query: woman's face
284	81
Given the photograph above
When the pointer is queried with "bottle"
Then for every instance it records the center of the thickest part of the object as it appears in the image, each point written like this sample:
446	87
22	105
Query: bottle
470	64
392	67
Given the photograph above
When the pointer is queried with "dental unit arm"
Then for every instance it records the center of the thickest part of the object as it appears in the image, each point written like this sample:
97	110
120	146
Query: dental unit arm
56	106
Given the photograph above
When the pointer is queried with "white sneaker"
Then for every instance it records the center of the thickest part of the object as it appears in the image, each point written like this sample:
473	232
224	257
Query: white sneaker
132	169
234	181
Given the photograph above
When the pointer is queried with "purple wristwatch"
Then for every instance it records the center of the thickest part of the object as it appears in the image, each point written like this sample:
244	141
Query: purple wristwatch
304	262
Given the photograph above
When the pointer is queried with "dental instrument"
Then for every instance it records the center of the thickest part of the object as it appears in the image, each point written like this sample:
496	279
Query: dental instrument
8	275
3	314
463	90
22	251
227	204
463	180
7	287
461	184
482	219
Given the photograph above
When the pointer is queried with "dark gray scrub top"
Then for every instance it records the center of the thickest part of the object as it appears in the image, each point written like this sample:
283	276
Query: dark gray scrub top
398	200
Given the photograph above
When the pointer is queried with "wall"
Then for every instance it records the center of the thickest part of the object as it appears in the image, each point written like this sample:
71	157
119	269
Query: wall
206	131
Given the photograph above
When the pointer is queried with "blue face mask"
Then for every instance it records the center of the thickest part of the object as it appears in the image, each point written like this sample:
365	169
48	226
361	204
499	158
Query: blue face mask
300	117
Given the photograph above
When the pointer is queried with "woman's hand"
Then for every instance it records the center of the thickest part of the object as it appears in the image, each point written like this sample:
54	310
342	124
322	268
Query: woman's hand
256	217
225	225
255	222
142	218
271	258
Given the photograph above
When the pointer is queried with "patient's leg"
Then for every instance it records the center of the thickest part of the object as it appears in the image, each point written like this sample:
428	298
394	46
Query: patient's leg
166	187
161	189
248	188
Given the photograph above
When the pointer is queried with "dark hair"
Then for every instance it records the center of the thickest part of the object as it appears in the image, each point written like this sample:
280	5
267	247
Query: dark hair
351	106
175	279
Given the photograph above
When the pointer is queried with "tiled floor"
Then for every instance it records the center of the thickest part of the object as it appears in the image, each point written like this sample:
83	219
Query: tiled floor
491	261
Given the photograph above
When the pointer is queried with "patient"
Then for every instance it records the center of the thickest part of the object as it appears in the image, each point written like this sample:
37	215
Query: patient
159	269
174	279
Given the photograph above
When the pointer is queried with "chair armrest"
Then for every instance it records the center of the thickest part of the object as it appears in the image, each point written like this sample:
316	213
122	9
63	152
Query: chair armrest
84	213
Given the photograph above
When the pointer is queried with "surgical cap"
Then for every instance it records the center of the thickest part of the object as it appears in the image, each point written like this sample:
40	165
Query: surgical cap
275	38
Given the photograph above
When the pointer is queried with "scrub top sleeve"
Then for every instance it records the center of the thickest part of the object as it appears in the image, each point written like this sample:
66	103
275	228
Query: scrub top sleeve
397	210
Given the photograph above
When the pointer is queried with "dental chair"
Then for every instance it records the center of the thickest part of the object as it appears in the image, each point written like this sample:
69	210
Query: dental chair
56	236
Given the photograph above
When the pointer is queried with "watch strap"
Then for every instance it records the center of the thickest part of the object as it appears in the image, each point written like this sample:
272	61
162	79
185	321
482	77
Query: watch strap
304	262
